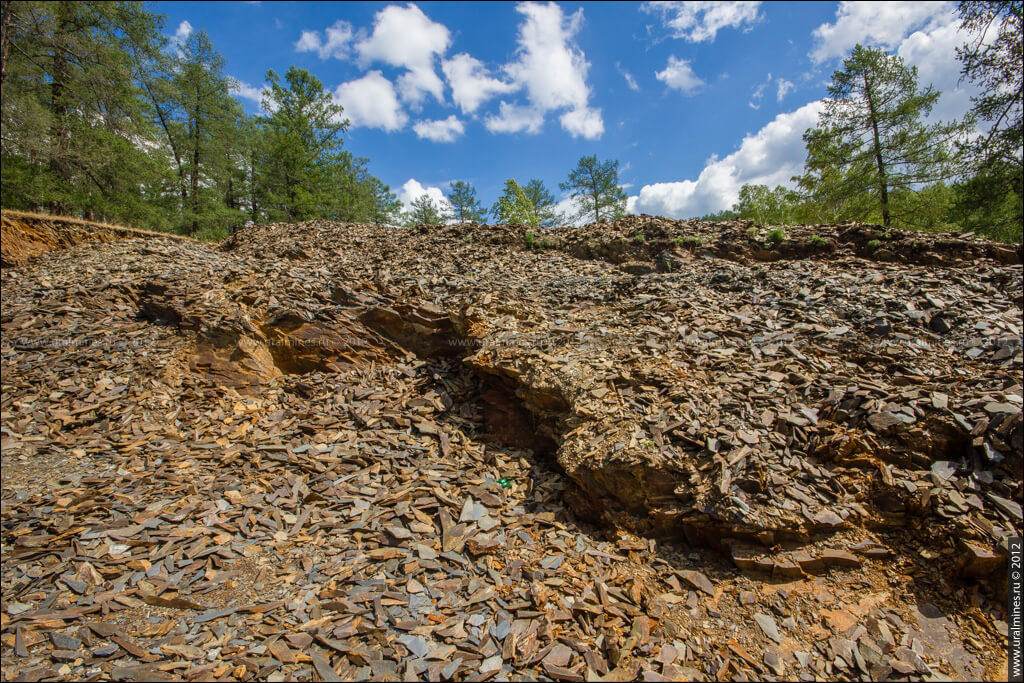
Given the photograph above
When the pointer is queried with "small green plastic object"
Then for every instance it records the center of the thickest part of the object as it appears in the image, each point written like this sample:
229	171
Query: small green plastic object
505	482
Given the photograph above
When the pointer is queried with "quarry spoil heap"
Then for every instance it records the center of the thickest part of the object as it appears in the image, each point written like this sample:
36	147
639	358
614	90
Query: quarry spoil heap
640	450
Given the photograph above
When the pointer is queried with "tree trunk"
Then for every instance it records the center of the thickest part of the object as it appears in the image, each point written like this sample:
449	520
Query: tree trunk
882	183
59	109
5	39
195	173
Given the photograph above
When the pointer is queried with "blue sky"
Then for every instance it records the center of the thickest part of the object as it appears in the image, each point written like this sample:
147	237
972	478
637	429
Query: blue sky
693	98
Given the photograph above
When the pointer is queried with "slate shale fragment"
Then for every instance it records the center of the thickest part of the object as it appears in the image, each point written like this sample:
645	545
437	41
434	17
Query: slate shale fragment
344	452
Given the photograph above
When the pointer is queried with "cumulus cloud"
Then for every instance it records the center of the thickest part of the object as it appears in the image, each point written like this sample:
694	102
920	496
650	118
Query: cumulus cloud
701	21
441	130
771	156
183	32
371	102
583	122
406	37
783	87
679	74
552	69
337	41
880	24
933	52
513	118
471	83
413	189
925	35
548	68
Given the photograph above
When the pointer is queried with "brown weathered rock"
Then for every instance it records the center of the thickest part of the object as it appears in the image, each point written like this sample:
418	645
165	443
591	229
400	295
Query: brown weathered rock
356	449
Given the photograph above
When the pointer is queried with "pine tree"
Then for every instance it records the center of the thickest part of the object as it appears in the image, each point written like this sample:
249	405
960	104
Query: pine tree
465	207
995	66
543	203
871	131
301	150
209	136
595	186
72	115
425	211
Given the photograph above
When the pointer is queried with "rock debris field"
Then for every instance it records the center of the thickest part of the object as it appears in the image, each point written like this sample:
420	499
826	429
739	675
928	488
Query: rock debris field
639	450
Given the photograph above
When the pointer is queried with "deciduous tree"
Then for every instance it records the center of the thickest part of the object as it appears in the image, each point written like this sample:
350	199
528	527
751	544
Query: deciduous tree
514	207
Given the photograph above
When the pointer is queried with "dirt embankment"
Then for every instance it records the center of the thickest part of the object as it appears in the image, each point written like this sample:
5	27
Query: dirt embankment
24	235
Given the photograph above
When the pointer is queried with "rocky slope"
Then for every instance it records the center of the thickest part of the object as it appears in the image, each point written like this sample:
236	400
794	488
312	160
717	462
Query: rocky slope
646	449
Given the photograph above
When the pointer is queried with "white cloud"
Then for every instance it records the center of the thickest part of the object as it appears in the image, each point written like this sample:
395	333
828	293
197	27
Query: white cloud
570	210
679	75
371	101
924	34
244	90
337	43
514	118
700	21
784	87
771	157
933	52
442	130
630	81
183	32
552	69
755	99
471	84
406	37
413	190
878	24
583	122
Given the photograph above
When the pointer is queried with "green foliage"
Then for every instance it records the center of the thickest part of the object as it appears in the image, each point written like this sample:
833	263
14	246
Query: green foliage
818	240
639	238
531	241
994	65
989	203
514	207
752	232
211	234
692	241
425	211
71	110
723	215
543	204
595	187
776	236
873	244
203	133
870	138
767	206
465	207
302	160
101	118
988	199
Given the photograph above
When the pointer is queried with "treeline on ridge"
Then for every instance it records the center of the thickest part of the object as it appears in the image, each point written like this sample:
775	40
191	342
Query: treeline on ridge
105	117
